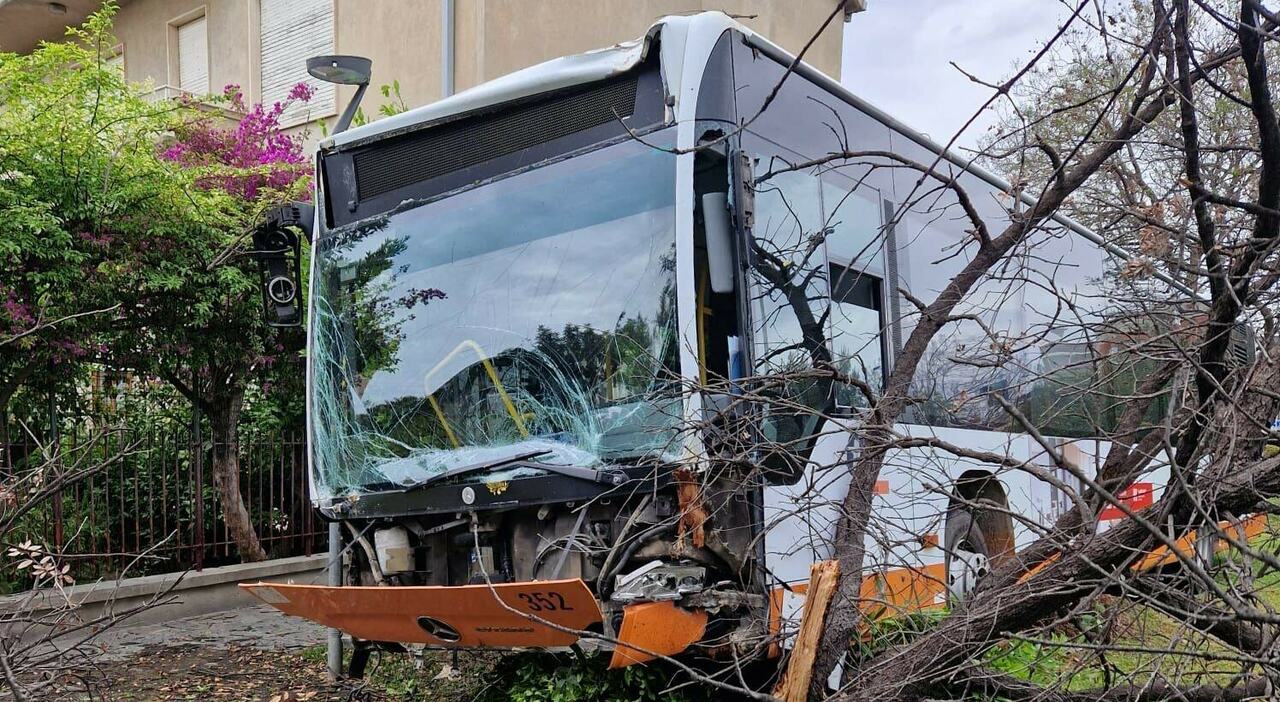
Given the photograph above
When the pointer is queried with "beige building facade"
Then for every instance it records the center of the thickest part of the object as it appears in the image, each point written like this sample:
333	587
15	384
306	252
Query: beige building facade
200	46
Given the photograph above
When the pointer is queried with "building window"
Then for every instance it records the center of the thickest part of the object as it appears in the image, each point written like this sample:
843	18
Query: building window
292	31
193	57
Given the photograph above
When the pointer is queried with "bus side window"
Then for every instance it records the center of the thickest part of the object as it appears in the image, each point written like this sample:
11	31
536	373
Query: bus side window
788	283
854	244
857	319
789	305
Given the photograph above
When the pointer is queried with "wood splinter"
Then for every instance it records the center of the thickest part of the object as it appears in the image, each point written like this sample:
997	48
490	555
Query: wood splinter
793	686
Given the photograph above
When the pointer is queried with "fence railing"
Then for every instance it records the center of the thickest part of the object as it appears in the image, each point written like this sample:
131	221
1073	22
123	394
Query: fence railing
154	507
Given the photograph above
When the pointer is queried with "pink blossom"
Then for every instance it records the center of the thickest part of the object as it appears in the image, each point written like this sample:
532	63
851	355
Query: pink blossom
303	92
71	347
17	311
231	91
256	152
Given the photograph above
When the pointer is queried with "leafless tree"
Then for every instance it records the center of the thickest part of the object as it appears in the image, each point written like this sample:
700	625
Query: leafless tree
1174	65
49	645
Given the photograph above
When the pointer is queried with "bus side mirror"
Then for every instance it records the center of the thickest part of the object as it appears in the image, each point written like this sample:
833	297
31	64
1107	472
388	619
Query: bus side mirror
278	250
719	231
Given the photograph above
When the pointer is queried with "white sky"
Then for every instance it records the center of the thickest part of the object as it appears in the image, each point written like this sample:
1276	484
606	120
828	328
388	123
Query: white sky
897	55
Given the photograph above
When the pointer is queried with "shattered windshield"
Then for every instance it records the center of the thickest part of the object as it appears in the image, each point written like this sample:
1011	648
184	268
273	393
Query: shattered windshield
532	315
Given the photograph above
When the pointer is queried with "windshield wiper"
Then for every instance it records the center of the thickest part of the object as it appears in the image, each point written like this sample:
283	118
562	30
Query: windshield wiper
608	477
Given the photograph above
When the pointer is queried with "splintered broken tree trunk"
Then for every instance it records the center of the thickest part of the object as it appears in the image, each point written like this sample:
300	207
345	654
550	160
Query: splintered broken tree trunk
797	679
224	416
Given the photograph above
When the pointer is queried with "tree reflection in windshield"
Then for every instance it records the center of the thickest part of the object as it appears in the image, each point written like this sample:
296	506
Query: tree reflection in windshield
538	309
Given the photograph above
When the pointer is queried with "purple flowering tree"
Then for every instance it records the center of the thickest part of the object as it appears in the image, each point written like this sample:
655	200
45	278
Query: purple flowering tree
130	247
255	160
197	315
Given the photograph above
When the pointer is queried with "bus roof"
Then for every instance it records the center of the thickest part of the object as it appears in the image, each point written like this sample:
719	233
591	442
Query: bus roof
676	32
563	72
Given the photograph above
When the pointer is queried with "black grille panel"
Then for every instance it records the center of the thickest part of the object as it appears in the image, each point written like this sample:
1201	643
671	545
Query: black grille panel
436	151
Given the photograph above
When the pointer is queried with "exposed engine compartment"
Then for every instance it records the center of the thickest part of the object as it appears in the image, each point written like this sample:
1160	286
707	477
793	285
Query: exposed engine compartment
679	544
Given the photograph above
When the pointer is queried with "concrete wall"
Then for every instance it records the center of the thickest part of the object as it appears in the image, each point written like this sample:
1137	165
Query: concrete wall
184	594
147	32
495	37
492	37
402	38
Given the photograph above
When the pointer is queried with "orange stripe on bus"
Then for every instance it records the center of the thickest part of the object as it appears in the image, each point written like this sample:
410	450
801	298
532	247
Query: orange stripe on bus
1158	557
890	593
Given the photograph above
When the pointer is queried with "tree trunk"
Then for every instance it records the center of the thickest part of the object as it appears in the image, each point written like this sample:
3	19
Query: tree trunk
224	417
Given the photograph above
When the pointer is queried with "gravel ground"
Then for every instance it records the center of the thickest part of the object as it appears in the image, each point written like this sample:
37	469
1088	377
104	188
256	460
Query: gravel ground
260	627
255	654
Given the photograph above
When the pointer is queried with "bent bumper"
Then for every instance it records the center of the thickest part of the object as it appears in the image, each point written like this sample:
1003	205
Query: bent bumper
542	614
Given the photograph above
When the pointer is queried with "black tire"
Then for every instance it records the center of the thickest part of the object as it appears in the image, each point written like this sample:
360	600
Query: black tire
961	528
962	534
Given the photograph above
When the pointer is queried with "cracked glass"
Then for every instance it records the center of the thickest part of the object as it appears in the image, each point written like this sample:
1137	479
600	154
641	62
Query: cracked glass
532	315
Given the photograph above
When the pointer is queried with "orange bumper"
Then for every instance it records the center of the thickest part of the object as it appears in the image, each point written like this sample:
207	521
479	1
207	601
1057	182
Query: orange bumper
653	629
535	614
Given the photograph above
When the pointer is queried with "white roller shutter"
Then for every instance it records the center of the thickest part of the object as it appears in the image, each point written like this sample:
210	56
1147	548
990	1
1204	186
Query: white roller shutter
193	57
292	32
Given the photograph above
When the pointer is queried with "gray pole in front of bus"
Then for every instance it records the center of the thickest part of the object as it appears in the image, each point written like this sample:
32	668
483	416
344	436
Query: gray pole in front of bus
335	532
335	580
355	71
446	49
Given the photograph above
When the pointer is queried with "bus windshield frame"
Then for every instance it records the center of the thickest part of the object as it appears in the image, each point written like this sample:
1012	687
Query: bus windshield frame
532	313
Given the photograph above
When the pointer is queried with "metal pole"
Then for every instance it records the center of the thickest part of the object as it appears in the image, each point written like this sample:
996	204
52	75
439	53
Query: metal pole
335	580
197	444
446	47
55	441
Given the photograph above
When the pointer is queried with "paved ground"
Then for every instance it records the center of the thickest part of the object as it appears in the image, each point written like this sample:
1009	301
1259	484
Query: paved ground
256	654
260	627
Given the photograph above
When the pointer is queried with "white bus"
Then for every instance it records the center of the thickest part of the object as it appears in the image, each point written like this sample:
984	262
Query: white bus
571	340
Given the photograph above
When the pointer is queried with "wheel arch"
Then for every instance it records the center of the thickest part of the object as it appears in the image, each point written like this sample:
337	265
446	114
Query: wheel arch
969	492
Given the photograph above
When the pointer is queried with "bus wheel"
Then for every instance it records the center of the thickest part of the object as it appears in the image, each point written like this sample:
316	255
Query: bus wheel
967	558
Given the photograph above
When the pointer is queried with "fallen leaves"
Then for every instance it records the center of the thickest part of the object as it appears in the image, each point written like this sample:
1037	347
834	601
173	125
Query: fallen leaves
291	696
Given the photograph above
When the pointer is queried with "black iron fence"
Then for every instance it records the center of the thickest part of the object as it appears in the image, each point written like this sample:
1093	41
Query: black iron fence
153	508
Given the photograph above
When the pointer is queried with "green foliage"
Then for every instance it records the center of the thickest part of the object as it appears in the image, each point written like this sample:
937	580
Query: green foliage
97	221
886	633
81	188
1044	663
547	677
103	219
125	241
393	104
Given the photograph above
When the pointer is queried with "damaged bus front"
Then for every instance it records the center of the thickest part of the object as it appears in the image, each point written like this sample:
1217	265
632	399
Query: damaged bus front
498	384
